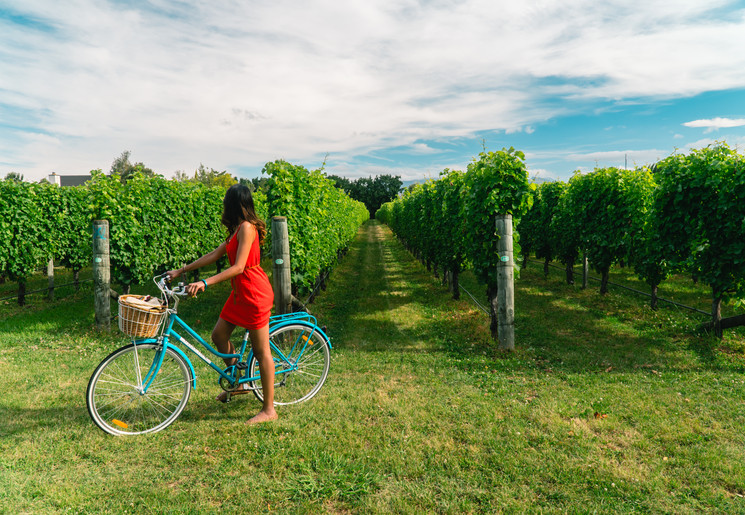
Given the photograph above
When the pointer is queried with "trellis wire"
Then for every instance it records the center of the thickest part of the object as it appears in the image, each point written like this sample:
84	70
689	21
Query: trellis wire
638	291
677	304
43	290
482	308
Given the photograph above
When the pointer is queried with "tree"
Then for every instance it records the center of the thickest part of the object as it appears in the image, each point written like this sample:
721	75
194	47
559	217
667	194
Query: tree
342	183
14	176
207	176
125	169
257	184
212	178
371	192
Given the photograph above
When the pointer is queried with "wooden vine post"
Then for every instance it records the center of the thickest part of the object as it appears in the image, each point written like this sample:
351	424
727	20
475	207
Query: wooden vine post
585	270
281	266
101	274
506	284
50	279
50	270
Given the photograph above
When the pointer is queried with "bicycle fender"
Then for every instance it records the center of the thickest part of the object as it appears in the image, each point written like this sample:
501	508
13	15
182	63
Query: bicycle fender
312	327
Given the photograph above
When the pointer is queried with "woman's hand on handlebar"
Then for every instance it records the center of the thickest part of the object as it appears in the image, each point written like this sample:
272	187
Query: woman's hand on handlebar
173	274
193	288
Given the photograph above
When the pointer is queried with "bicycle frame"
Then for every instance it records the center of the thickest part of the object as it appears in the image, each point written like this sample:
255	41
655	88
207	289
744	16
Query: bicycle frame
275	322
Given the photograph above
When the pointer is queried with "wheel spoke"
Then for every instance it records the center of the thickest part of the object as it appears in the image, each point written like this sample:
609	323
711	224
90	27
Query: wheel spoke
114	397
296	380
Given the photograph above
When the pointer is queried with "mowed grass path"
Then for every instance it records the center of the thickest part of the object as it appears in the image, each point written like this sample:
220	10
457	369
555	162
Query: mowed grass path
604	407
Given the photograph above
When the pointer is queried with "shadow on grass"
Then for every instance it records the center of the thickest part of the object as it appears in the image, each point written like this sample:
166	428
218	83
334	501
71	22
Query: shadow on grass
559	328
30	419
564	328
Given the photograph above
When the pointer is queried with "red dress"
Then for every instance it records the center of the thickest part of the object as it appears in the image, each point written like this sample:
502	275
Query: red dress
250	303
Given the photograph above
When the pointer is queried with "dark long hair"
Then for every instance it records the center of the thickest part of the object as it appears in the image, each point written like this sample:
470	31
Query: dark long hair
238	207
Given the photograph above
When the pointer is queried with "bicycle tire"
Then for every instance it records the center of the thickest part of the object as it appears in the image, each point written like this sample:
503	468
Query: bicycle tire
113	398
302	383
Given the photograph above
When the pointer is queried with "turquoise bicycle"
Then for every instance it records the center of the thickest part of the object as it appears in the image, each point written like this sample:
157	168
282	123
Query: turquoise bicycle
144	386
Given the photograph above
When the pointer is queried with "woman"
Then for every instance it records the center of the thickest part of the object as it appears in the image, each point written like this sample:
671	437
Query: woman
251	299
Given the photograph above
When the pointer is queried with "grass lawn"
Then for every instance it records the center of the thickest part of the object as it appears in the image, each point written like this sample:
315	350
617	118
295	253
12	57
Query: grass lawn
605	406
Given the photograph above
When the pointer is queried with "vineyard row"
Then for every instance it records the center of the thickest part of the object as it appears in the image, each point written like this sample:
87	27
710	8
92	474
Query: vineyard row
685	214
157	224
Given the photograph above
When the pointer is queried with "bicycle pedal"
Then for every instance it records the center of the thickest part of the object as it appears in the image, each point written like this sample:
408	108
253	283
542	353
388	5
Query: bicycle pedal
242	365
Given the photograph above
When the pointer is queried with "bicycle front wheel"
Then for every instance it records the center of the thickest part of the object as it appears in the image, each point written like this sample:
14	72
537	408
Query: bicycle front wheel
301	368
115	399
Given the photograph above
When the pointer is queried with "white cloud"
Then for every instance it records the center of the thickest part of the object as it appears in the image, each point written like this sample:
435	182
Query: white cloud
227	84
423	148
716	123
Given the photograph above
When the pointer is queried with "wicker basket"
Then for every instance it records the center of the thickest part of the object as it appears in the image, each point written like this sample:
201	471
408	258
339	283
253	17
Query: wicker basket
140	316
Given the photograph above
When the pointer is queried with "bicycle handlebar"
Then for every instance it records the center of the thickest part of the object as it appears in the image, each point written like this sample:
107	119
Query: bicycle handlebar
164	285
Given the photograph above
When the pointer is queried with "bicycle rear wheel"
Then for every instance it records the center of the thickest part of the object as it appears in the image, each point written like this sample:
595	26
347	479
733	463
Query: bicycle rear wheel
114	398
302	374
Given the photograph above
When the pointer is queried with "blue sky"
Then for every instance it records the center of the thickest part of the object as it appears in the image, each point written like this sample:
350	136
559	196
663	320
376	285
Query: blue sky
402	87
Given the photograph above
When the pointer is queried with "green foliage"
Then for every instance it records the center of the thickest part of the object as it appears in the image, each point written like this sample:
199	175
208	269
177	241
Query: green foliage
429	220
452	221
125	170
453	227
700	203
535	228
155	223
565	227
29	217
373	192
550	194
687	216
321	219
208	177
497	184
609	207
74	229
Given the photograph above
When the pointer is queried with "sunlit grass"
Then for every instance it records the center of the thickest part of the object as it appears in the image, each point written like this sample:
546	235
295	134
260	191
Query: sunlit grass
604	406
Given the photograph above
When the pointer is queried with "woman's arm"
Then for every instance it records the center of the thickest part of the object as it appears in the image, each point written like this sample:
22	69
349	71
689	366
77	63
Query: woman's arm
246	235
205	260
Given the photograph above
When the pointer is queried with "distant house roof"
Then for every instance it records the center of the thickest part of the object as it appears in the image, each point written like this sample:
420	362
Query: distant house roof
68	180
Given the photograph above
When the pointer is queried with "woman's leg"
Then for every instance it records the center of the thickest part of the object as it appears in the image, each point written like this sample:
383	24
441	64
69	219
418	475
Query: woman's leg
263	354
221	338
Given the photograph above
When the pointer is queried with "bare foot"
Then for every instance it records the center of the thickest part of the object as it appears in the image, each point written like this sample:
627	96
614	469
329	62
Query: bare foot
262	416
